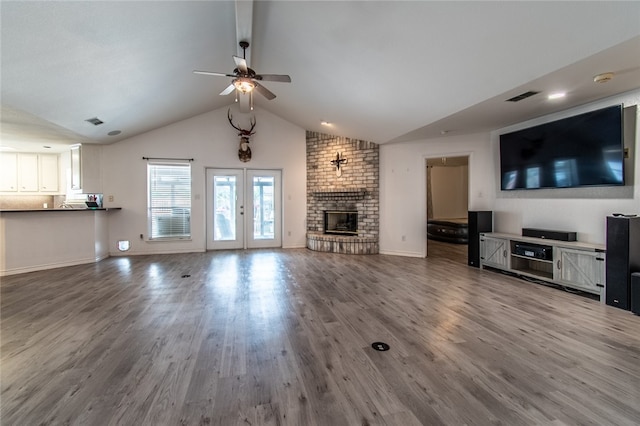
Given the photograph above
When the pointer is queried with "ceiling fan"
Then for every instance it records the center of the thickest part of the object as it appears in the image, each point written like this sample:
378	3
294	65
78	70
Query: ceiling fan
245	80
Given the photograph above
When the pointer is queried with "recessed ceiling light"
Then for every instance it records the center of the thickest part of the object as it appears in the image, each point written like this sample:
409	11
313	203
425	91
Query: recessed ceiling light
46	146
556	95
325	123
114	132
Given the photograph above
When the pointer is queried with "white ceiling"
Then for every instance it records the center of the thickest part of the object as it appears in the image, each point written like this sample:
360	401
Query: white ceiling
380	71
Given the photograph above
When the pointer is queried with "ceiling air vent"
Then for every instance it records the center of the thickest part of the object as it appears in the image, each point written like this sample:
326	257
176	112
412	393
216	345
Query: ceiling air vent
522	96
95	121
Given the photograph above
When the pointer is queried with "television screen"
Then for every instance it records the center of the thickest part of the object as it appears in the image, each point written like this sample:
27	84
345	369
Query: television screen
583	150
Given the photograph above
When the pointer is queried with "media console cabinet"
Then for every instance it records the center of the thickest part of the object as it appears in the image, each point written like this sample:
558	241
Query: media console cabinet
570	264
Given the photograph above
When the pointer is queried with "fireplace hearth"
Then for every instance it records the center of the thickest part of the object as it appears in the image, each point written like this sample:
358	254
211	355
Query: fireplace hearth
341	222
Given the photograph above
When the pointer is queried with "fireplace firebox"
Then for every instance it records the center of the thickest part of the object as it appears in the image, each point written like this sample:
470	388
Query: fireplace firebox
341	222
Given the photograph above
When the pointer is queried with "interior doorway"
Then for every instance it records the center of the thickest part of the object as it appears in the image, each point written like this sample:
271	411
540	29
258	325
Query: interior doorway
243	208
447	207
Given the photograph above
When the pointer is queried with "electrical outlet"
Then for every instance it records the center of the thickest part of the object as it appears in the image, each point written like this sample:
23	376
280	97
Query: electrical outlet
111	198
404	238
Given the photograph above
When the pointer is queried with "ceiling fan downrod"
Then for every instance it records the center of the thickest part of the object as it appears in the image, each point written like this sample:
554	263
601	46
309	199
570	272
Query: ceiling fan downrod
244	45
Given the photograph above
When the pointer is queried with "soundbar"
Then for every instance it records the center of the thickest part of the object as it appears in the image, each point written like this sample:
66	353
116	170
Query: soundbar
548	234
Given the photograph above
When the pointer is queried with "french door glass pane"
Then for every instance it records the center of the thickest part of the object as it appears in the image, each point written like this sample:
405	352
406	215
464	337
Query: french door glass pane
225	208
263	208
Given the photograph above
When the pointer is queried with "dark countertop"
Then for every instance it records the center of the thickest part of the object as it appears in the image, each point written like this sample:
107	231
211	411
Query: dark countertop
59	210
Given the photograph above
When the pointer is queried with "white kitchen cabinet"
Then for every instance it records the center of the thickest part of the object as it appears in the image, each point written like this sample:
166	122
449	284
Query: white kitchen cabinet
8	172
27	172
494	252
48	172
86	172
76	167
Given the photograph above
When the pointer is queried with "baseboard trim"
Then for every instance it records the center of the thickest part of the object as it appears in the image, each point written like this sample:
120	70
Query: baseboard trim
146	253
43	267
402	253
295	246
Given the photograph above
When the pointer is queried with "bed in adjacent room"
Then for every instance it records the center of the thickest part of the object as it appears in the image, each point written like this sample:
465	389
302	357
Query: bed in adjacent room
450	230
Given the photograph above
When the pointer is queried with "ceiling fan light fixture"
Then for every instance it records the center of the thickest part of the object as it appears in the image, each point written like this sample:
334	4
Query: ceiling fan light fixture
245	80
244	85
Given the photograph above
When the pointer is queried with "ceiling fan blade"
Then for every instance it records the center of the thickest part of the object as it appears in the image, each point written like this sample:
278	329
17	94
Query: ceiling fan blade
228	90
219	74
264	91
241	64
274	77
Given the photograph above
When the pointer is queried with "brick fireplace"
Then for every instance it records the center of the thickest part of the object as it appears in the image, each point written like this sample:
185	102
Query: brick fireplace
356	190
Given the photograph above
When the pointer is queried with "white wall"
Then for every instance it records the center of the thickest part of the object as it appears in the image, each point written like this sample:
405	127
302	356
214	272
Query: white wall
583	210
403	223
212	142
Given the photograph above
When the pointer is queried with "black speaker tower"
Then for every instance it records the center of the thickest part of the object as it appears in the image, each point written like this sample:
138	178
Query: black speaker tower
479	222
635	293
623	259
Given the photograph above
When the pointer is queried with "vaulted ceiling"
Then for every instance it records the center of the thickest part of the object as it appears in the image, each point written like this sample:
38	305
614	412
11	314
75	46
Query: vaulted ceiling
384	71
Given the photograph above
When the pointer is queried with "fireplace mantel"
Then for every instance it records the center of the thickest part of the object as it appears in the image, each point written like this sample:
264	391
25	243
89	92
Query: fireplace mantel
333	193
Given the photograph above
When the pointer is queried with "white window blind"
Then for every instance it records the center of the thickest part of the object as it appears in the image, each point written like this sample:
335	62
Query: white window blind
169	203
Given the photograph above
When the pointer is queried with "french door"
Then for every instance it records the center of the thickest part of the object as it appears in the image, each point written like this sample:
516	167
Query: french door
243	208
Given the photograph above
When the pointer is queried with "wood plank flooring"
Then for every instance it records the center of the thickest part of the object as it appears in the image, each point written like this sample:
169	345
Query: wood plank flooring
441	250
283	337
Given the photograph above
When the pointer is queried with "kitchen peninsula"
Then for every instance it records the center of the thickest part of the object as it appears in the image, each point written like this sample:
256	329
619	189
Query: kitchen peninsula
37	239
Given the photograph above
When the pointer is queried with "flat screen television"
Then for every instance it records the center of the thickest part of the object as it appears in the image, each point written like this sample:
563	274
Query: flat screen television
582	150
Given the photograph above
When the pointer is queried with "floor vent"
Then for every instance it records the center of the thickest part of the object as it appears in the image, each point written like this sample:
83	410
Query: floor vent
380	346
522	96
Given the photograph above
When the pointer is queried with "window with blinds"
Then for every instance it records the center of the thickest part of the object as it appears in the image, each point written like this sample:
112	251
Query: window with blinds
169	203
